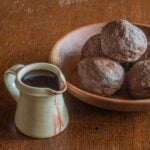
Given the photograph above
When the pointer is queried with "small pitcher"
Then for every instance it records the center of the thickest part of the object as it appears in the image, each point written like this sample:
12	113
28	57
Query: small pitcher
41	112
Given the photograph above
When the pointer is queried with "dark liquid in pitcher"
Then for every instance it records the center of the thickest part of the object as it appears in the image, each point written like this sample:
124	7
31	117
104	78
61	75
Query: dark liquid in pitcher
41	79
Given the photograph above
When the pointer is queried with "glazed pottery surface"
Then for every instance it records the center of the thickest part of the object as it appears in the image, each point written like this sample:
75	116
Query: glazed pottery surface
41	112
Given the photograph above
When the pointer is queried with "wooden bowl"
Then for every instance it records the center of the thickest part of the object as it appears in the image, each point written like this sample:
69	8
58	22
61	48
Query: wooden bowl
66	55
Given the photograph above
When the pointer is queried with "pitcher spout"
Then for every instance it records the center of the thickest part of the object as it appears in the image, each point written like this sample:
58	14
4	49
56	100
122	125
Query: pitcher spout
62	84
56	85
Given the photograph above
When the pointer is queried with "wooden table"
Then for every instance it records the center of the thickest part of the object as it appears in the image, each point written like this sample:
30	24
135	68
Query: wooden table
28	31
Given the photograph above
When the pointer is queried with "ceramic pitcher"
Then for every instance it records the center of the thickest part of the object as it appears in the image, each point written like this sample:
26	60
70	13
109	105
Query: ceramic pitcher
41	112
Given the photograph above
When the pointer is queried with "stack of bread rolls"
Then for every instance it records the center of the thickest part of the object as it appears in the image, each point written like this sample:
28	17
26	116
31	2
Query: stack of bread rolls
119	54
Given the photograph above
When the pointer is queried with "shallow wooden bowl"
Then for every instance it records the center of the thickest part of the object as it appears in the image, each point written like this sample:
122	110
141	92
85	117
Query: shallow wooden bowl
66	55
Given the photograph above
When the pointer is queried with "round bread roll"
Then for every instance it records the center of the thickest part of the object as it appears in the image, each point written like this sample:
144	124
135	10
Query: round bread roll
92	48
100	75
138	79
145	56
123	41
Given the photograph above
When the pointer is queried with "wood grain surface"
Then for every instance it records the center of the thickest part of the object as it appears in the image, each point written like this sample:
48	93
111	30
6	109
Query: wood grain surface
28	31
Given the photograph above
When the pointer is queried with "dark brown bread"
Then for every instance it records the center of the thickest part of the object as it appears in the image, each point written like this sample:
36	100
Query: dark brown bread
92	48
146	55
123	41
100	75
138	79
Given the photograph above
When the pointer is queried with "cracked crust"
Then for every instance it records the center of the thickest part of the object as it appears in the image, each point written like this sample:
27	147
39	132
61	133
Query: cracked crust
122	41
146	55
138	79
92	47
100	75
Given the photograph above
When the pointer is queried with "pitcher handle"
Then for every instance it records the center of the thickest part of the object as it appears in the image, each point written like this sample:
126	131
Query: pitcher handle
9	79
